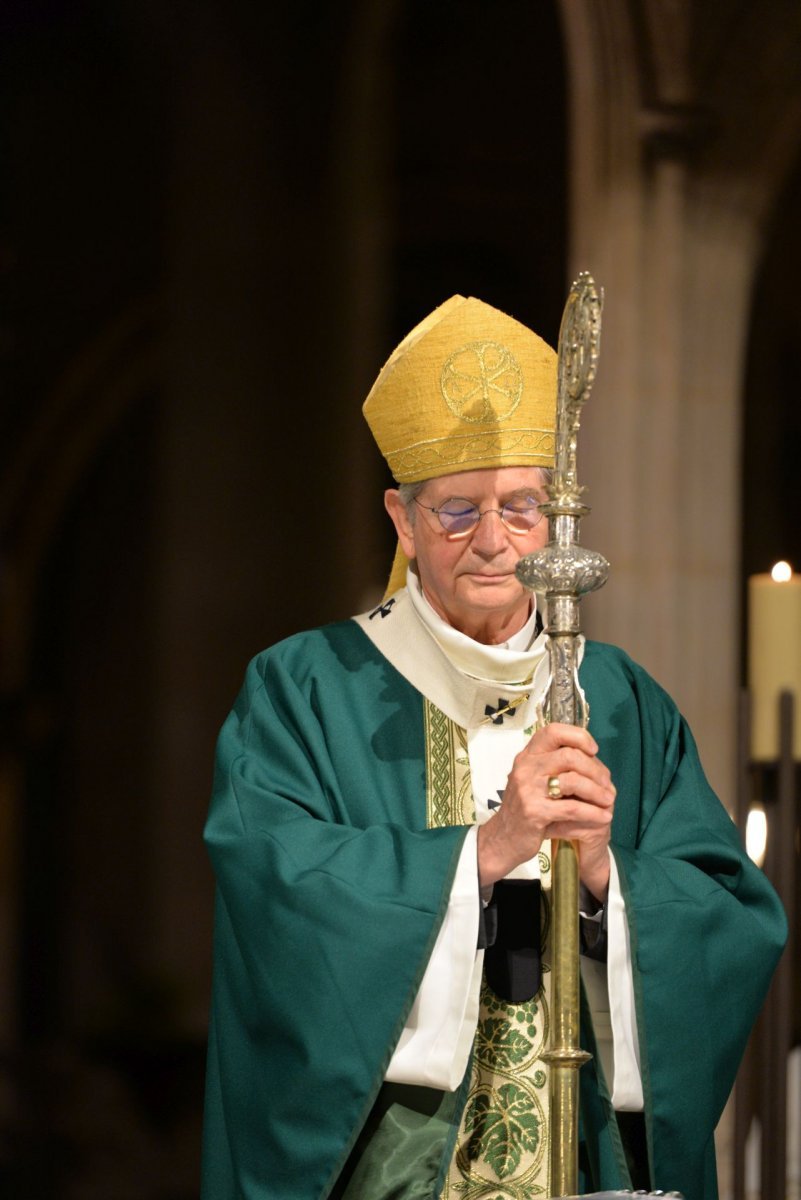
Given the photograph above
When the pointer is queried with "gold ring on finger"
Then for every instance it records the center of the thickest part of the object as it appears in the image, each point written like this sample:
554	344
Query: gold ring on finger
554	790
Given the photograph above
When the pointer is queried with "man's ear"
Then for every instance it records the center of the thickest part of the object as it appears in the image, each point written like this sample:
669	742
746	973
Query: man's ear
400	519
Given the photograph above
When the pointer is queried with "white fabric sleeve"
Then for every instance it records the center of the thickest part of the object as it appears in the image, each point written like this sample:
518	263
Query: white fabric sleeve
436	1041
627	1093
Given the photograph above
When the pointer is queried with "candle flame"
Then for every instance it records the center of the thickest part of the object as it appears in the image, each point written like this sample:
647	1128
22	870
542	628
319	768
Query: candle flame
782	572
756	834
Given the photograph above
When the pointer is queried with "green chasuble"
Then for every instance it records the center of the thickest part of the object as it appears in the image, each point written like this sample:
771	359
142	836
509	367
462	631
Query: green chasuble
331	891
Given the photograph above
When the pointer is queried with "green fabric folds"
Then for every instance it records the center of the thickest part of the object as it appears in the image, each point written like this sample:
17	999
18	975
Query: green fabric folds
331	892
404	1149
330	895
706	927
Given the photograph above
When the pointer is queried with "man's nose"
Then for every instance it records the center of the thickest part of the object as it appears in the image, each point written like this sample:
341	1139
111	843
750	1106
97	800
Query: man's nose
490	535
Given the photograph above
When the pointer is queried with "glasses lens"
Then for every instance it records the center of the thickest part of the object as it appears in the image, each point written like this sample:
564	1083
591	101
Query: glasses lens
522	515
457	515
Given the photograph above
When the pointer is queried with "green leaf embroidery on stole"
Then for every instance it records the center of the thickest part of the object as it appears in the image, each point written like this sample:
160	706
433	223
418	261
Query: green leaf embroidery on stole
503	1130
502	1150
503	1044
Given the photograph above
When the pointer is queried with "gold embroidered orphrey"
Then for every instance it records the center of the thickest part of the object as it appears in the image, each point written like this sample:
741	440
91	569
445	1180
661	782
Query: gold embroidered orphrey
502	1148
481	381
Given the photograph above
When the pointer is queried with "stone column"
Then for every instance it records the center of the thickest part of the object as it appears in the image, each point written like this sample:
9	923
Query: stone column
666	211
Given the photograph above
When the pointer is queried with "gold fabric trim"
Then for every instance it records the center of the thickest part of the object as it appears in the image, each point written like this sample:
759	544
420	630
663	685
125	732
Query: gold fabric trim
442	796
425	459
503	1146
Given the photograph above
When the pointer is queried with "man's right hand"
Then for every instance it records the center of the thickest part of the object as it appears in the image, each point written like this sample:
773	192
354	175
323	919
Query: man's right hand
529	815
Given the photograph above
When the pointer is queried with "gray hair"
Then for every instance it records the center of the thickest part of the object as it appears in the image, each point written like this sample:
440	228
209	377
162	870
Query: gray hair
409	492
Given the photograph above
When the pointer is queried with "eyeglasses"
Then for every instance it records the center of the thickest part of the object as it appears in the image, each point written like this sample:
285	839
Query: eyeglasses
458	516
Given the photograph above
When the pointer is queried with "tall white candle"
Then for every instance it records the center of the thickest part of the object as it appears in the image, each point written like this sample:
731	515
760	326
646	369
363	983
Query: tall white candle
774	656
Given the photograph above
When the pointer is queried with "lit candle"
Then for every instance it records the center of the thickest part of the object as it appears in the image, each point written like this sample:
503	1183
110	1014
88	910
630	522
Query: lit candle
774	656
756	834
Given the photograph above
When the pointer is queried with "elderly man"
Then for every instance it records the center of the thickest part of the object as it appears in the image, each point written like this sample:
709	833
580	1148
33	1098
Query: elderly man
385	799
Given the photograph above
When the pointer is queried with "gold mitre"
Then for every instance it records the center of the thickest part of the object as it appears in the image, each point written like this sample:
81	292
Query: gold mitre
469	387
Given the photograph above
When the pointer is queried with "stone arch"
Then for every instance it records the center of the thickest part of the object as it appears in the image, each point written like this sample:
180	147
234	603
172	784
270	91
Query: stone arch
683	126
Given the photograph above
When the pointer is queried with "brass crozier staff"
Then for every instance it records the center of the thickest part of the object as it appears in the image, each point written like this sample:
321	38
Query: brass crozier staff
564	571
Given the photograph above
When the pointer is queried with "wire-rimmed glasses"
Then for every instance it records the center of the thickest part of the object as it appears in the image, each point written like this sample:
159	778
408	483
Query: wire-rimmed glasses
459	516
